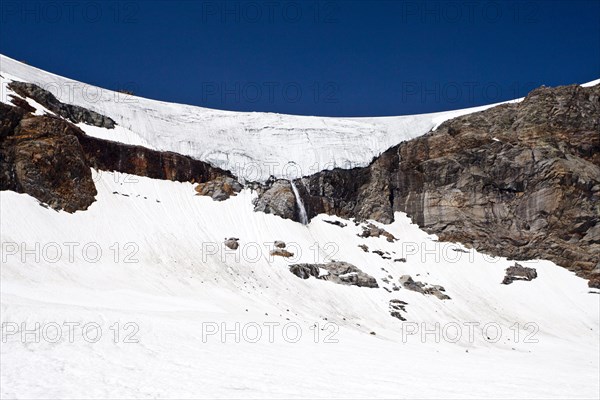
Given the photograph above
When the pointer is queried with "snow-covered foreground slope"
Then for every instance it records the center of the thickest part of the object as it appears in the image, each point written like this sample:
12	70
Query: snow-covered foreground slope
252	145
147	261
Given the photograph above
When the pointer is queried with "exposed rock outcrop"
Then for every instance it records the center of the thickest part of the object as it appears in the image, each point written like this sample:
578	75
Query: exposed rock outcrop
407	282
73	113
305	271
520	180
337	271
49	158
42	157
276	197
519	273
137	160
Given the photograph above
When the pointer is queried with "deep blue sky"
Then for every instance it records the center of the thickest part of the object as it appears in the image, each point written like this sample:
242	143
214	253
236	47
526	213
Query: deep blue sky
334	58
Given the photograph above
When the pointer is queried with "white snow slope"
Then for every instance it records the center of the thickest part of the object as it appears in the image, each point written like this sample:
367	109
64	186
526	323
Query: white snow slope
137	297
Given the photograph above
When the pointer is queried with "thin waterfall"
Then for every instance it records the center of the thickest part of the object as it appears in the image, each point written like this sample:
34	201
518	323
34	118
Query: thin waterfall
300	204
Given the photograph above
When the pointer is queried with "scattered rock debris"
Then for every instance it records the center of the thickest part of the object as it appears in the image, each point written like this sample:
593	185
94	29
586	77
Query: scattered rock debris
370	230
397	306
436	290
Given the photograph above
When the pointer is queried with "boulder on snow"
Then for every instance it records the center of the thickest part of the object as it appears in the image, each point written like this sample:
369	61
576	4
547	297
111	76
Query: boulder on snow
519	273
232	243
281	253
220	188
279	244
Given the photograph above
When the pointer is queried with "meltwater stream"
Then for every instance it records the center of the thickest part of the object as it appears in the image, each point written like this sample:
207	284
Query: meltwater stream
300	204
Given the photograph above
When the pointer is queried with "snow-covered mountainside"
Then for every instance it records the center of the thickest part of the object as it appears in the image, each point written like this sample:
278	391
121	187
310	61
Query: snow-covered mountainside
252	145
152	291
163	268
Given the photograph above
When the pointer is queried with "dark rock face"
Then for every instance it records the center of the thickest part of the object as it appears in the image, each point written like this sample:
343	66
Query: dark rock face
277	197
338	272
49	158
71	112
21	103
10	117
361	193
42	157
532	193
519	273
519	180
137	160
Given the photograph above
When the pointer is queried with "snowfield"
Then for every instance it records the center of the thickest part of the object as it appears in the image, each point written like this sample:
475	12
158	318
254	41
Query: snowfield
138	297
154	263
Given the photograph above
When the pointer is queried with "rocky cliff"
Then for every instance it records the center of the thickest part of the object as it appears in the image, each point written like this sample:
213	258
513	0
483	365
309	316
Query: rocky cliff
519	180
49	158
